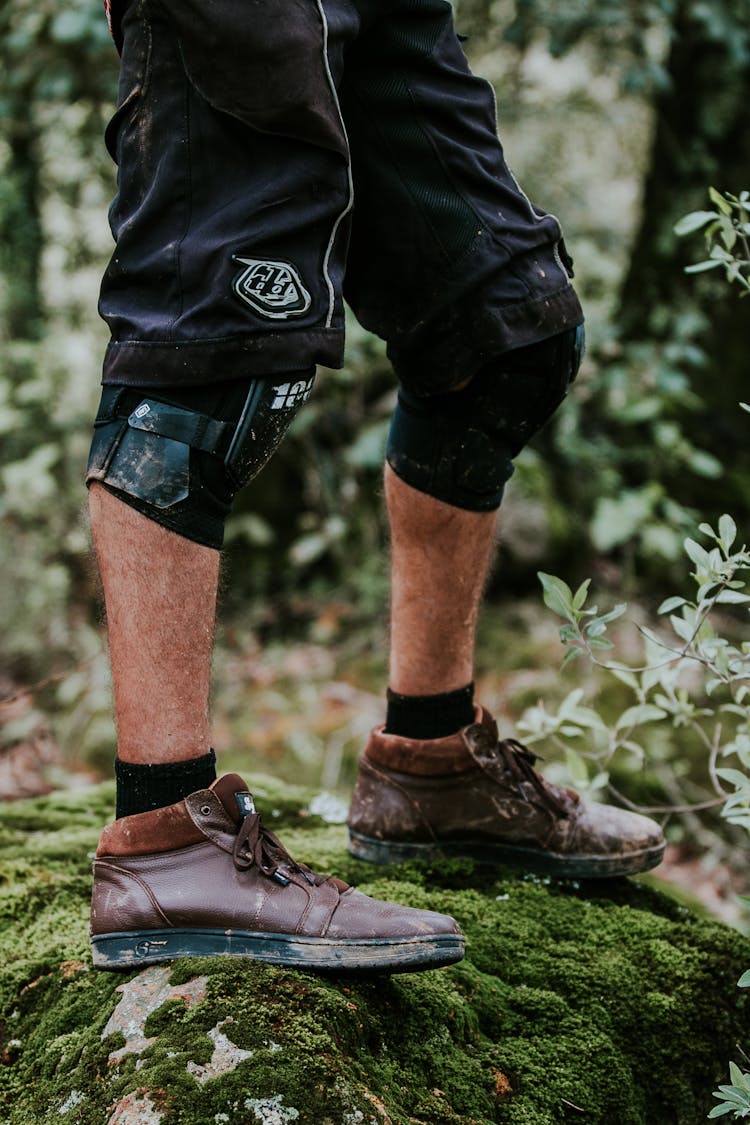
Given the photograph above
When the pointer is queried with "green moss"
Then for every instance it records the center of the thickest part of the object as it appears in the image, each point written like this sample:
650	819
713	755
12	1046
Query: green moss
608	997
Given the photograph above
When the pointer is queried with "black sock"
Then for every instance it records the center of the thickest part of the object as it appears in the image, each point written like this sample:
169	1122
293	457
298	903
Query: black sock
141	788
429	716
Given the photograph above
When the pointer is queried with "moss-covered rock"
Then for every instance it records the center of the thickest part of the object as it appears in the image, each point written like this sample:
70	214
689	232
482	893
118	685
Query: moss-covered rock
599	1003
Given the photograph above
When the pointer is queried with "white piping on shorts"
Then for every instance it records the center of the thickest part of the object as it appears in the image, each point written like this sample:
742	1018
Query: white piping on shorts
532	210
350	200
538	219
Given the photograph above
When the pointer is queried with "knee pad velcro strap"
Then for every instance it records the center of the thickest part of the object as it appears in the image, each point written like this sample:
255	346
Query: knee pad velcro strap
459	446
180	455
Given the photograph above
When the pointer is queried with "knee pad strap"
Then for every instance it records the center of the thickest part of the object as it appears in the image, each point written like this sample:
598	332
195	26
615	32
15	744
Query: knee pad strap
459	446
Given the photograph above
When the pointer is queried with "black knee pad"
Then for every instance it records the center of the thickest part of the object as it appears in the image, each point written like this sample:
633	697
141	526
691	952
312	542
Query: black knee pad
180	454
459	446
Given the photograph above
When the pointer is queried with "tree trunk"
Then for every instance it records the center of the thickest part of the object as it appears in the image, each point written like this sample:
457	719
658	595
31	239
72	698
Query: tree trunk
701	139
21	236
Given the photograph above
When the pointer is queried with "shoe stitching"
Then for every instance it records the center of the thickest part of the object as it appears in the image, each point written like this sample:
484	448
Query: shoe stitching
141	883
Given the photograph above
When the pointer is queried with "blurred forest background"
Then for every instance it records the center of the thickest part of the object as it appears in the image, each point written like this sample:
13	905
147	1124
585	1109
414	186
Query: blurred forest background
616	117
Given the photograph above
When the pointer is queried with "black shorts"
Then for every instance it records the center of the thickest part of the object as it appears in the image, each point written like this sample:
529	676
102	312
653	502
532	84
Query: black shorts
278	156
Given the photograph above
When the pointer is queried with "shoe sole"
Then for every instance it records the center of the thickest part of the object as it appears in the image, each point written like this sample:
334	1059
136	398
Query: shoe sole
508	855
138	948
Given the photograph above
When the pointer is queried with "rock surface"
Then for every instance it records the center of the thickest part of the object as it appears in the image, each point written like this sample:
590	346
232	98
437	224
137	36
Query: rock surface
607	1003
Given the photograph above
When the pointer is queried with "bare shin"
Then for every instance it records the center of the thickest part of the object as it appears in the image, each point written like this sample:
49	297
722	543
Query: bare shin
160	597
440	556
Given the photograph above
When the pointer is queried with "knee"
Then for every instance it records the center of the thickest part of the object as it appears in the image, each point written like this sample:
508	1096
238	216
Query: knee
180	455
459	446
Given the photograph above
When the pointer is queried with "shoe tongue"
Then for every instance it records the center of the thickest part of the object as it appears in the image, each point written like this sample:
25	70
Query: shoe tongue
234	796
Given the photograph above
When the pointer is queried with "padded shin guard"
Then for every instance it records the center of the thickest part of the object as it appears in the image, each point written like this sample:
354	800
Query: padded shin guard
179	455
459	446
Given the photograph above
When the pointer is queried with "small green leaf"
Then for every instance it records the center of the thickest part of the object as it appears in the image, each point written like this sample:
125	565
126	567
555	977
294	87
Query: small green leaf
732	597
727	531
614	613
702	267
577	767
558	596
738	1079
744	981
692	222
626	677
641	713
570	655
670	604
734	777
684	629
717	198
596	628
696	553
581	594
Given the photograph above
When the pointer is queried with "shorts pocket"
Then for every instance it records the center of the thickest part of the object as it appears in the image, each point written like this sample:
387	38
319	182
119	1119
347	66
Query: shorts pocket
121	114
264	63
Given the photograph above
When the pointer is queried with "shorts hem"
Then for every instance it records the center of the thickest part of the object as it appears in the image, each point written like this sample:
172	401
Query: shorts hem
436	363
145	363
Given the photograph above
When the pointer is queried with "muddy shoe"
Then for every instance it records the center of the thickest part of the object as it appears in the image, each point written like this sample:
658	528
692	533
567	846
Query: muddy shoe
473	795
204	877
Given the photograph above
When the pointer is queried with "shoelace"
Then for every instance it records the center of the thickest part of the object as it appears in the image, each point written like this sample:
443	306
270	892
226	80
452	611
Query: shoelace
518	761
255	845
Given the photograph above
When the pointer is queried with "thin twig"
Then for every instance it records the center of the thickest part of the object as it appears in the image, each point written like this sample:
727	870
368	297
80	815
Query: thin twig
572	1105
713	804
716	746
32	689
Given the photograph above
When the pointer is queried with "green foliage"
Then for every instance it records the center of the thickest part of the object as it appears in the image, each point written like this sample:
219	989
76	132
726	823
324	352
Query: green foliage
734	1099
727	231
715	704
623	444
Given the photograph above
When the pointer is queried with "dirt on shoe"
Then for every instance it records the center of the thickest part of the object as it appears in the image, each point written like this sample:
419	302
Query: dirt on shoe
473	795
205	877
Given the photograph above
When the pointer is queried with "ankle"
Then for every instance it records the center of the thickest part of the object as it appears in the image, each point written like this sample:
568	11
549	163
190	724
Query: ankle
141	788
428	717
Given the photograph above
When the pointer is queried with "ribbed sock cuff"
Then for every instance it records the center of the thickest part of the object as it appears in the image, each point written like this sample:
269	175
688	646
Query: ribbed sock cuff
429	716
141	788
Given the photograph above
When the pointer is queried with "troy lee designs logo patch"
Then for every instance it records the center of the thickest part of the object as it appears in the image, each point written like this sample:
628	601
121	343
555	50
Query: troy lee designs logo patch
273	289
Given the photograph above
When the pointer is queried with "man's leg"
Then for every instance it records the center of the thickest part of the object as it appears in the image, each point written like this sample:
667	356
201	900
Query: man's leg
483	329
436	779
160	597
204	285
188	868
439	561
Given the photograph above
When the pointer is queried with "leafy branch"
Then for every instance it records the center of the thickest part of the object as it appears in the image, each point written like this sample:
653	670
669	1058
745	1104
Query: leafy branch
727	233
715	708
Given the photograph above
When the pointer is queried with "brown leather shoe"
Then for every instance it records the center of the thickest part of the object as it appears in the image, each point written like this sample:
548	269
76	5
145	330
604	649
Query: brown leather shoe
204	877
472	795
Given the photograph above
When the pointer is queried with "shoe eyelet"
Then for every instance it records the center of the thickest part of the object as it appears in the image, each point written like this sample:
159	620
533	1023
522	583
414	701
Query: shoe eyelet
205	810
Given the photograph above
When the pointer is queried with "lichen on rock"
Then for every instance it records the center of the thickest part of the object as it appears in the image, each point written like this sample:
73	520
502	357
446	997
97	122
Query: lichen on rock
598	1002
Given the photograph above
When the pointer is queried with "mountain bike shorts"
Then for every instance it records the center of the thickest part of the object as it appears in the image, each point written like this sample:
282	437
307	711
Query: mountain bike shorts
279	156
